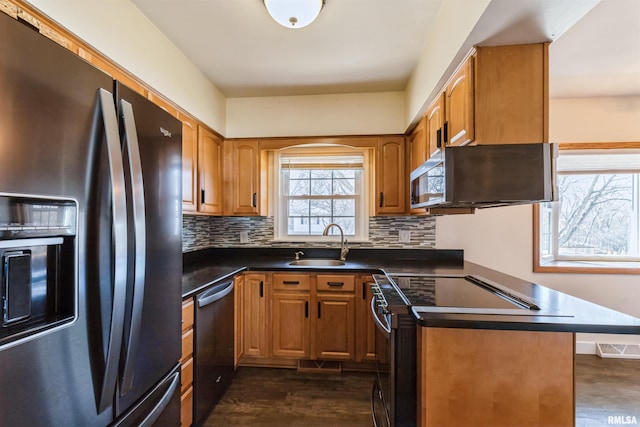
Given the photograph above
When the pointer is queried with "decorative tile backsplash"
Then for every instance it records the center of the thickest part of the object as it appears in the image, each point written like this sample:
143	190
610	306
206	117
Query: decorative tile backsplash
200	232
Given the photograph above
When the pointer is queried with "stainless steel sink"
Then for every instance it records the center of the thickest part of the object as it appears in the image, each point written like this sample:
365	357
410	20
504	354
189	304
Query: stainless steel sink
317	262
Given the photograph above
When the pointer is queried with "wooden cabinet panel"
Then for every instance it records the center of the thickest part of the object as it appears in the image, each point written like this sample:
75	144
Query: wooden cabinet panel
365	325
498	377
186	408
187	345
291	331
459	100
434	123
418	148
511	103
255	320
189	162
291	282
391	176
335	326
210	171
186	375
187	314
242	177
238	319
336	282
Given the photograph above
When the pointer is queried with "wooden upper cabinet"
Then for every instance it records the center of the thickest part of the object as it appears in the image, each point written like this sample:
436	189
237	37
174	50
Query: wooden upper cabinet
391	176
418	145
459	99
512	94
189	163
210	172
242	177
434	123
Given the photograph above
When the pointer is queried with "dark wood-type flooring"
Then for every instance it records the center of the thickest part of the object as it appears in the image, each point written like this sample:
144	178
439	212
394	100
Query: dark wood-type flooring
264	397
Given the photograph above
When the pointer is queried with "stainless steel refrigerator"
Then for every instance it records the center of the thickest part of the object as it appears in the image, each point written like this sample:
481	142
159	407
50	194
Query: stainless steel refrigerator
90	243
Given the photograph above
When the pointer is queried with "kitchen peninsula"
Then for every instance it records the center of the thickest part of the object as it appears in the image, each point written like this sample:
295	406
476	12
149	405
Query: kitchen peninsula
470	368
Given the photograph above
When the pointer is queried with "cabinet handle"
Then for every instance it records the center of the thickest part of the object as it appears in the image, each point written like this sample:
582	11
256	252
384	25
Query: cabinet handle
254	201
439	138
290	282
319	305
335	284
306	309
381	198
201	196
261	289
446	133
364	290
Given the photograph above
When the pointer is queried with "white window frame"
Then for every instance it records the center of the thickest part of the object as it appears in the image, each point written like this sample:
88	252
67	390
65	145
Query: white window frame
552	261
280	206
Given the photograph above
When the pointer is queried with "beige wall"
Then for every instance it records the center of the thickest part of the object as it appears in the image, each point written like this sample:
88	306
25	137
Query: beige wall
501	238
122	32
316	115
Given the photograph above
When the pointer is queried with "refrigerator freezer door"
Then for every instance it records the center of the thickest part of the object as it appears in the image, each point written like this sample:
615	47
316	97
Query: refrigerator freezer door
157	309
48	117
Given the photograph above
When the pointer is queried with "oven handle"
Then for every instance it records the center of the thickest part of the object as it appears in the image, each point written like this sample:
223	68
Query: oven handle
385	329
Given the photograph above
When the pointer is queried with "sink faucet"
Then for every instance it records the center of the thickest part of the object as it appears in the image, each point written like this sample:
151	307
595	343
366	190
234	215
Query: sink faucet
344	245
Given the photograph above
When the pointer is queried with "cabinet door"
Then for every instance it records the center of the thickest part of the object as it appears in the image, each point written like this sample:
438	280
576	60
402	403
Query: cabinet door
459	93
366	327
391	176
434	123
254	319
335	326
418	145
210	168
189	162
290	319
238	319
244	177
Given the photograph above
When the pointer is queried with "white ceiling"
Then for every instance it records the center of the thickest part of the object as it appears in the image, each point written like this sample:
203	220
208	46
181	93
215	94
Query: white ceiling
374	45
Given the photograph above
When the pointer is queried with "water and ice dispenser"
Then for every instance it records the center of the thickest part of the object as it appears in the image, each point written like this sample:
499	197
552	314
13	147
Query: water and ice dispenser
38	265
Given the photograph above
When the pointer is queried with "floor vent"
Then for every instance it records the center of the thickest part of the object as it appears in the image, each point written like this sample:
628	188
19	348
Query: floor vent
620	351
319	366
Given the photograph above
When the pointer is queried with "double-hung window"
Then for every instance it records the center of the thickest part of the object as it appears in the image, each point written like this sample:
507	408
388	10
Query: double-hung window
318	188
595	223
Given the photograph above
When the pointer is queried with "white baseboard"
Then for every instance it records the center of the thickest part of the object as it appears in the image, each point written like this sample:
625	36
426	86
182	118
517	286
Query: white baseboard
585	347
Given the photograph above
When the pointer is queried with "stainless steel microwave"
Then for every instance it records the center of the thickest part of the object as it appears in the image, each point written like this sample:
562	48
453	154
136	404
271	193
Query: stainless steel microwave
485	176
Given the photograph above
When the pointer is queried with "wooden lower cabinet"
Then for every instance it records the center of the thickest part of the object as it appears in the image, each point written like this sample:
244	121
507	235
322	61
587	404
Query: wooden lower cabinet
308	316
254	315
186	373
495	378
291	333
365	325
335	326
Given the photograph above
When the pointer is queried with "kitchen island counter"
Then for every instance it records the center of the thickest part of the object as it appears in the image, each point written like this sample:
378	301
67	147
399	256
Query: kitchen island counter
570	314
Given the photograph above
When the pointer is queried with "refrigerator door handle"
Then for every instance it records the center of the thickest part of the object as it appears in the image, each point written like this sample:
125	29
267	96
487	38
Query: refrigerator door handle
139	241
119	212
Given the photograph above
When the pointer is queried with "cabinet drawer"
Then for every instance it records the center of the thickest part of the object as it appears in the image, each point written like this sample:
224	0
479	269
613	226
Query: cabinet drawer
336	282
186	408
187	314
187	345
291	282
186	375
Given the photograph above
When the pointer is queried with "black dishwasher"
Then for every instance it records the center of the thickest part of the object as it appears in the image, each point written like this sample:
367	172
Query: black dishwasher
213	347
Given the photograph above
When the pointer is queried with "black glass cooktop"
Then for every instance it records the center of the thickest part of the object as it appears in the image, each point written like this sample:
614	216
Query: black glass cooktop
456	291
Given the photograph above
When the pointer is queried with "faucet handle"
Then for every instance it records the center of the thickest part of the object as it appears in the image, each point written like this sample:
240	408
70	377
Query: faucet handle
298	254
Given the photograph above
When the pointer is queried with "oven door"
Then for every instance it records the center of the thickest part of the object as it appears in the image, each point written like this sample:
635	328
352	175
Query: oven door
381	392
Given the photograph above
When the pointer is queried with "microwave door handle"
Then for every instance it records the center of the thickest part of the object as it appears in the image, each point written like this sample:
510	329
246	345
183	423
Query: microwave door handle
119	230
139	243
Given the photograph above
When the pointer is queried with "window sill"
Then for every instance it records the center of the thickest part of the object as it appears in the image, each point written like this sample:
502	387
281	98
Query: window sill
588	267
315	239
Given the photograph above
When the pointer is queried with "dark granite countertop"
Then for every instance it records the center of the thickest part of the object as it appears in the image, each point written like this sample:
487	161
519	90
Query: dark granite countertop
207	267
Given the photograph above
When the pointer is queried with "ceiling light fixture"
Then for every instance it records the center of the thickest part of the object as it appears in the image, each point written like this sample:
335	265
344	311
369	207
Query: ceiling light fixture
294	13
